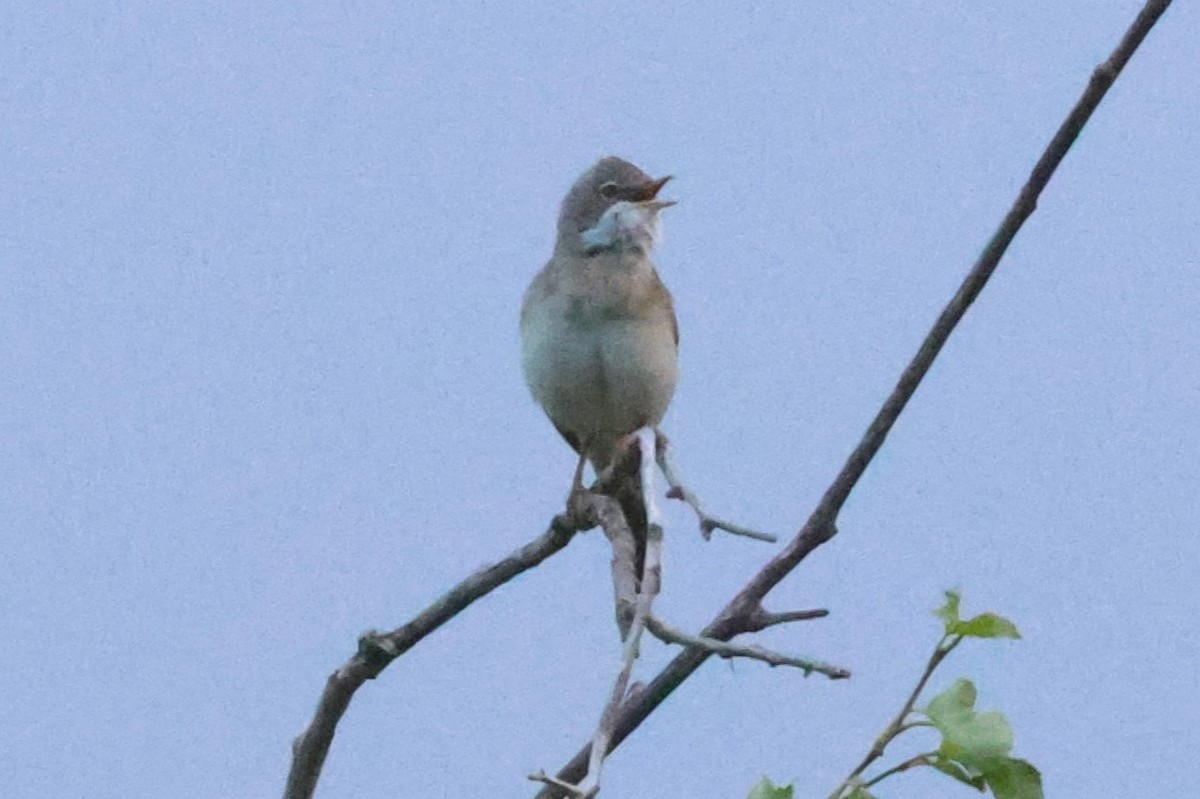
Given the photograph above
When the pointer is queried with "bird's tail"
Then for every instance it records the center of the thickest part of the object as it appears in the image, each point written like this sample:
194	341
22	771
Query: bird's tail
629	496
626	489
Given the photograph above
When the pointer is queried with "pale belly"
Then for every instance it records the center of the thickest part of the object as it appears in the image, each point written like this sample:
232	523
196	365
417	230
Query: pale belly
601	381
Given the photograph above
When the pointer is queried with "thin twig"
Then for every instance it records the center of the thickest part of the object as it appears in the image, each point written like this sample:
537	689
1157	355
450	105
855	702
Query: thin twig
727	649
708	523
916	760
541	776
820	526
761	619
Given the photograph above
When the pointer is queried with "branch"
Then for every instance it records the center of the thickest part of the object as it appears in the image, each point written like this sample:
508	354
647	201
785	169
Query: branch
916	760
708	523
649	586
898	726
725	649
760	619
642	703
820	526
377	650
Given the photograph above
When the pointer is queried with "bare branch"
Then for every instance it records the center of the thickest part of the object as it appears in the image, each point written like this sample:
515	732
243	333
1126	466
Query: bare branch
708	523
760	619
820	526
641	704
727	649
377	650
570	790
649	586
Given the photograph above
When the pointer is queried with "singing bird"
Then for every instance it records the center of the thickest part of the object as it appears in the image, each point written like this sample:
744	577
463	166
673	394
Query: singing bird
599	338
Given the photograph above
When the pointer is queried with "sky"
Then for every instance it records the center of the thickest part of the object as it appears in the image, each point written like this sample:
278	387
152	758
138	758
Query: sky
260	388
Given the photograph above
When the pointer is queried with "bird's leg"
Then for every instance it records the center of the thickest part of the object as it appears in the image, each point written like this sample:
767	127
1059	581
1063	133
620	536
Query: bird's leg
646	439
577	488
577	480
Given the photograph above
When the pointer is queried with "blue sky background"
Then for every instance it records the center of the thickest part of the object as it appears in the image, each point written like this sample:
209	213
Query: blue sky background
260	386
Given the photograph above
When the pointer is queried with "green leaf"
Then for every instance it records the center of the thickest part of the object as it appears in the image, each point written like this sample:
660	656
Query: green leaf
1012	778
985	736
967	736
769	790
956	701
968	775
985	625
948	612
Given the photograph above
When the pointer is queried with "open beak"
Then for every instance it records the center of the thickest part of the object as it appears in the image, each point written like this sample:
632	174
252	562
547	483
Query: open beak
655	186
644	192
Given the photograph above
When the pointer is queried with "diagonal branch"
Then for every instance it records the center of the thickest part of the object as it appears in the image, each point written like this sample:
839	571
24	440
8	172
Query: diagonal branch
377	650
820	526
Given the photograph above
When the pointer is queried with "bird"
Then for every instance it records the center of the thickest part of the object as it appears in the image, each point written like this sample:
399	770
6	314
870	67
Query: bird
599	335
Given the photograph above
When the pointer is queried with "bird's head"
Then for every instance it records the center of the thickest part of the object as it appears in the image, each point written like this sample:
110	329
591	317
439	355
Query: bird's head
612	204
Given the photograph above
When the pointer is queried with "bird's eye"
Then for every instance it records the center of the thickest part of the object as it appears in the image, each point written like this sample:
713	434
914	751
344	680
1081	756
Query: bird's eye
608	190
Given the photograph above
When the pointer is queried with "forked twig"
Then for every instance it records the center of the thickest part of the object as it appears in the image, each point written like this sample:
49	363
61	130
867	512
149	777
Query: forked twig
678	490
727	649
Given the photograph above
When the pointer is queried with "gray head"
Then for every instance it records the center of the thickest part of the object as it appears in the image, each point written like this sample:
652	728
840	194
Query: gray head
609	181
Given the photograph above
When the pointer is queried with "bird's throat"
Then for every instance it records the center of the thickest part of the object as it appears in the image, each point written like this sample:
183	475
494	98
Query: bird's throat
624	226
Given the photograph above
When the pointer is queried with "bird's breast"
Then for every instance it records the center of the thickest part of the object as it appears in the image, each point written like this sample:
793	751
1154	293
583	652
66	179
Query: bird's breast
599	357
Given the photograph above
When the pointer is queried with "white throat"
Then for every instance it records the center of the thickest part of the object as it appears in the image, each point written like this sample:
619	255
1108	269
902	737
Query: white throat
624	226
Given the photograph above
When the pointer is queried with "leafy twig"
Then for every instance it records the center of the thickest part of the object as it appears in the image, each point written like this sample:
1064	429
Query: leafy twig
975	747
944	647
